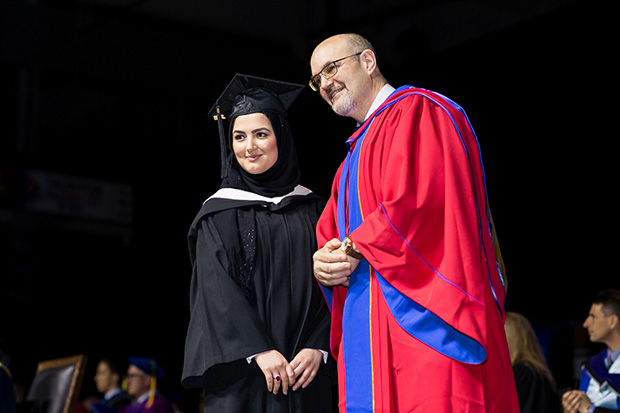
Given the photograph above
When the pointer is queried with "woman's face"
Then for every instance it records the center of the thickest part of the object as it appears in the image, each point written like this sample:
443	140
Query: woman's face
254	143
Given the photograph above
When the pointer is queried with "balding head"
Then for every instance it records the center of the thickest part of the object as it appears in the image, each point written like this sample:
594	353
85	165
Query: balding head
357	80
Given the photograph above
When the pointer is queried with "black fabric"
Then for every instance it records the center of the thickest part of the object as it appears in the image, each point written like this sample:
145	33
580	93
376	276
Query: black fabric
112	405
7	394
288	312
534	390
118	401
240	387
238	231
286	93
256	100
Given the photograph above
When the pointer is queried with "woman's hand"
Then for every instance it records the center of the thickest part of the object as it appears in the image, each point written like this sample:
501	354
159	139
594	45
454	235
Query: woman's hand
278	372
305	364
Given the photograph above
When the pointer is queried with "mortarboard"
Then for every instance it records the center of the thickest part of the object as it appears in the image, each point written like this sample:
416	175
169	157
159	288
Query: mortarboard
249	94
153	369
149	366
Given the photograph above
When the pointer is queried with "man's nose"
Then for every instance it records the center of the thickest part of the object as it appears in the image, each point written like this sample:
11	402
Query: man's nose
326	83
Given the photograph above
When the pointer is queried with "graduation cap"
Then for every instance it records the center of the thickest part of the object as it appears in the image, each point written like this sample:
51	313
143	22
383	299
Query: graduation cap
149	366
153	369
250	94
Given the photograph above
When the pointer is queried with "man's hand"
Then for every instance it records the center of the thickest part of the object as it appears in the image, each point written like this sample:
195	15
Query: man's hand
332	266
575	401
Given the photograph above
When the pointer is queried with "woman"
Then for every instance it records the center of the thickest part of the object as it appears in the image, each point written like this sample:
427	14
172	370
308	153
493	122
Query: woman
536	387
259	330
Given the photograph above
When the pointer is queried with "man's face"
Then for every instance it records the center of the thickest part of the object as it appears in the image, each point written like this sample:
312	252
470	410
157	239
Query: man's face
105	380
138	382
346	90
597	324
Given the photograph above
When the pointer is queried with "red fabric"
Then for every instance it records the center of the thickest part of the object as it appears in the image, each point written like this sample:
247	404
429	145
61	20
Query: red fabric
416	179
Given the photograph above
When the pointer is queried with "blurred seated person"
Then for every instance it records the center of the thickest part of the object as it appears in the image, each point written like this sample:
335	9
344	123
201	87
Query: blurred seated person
7	393
599	385
108	381
536	387
142	376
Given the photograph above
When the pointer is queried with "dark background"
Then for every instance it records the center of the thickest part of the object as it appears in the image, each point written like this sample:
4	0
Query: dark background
117	92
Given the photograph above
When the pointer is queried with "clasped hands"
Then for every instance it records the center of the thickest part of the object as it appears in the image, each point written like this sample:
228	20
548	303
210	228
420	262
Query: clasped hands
298	373
332	266
575	401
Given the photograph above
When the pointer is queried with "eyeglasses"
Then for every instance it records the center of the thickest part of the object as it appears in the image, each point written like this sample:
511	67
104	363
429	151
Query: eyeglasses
133	375
328	71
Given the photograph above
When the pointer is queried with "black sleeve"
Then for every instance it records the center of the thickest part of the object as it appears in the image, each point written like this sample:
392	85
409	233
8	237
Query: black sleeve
223	325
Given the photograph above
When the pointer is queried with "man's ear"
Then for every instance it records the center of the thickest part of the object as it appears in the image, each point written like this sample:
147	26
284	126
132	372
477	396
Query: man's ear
369	61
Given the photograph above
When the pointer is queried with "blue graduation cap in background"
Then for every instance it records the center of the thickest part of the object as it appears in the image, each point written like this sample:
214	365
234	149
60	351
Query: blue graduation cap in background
148	366
152	368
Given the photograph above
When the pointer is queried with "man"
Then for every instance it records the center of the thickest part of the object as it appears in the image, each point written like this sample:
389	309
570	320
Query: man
142	376
599	389
108	381
408	264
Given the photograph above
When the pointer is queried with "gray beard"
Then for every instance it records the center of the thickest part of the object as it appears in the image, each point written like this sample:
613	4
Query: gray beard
346	104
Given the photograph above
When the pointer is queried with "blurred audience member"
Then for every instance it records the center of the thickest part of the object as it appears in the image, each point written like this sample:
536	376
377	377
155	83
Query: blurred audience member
142	376
7	393
108	381
536	387
599	388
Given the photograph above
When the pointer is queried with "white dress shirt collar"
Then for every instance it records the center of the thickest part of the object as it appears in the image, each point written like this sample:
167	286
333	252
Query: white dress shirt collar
383	94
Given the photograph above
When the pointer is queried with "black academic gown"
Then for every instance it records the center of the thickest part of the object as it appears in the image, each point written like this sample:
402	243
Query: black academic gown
7	395
536	395
113	404
287	313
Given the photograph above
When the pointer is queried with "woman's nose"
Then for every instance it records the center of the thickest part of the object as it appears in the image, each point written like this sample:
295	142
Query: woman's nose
251	143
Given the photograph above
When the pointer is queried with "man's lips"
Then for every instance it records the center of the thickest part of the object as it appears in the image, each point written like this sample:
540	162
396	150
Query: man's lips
334	91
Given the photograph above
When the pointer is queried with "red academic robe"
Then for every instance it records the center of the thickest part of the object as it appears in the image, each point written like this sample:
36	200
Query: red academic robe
420	327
